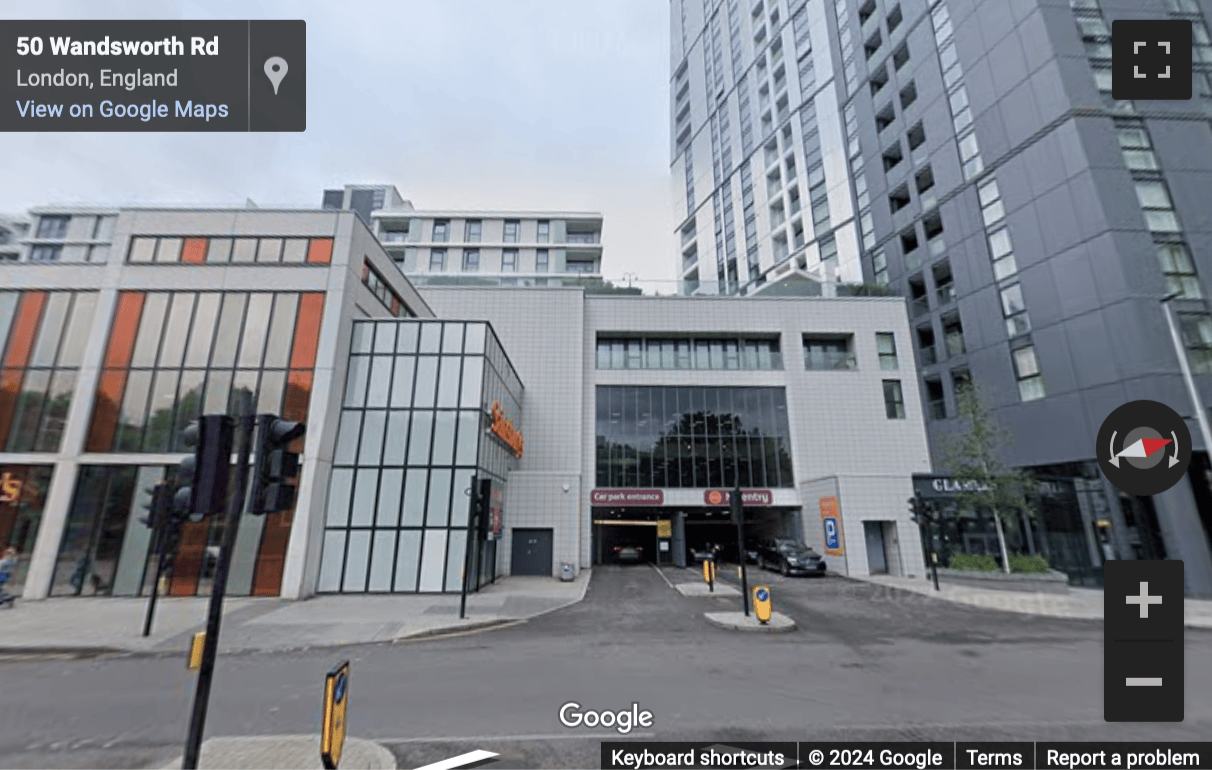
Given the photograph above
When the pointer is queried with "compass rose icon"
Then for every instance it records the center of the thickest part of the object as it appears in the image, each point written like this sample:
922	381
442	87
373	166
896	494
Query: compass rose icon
1144	447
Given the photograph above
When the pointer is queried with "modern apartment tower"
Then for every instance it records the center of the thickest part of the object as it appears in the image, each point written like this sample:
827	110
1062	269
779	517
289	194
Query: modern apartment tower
482	248
969	155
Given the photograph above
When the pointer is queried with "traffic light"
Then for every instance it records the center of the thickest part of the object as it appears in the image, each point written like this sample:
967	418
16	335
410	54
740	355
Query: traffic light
202	477
158	507
275	465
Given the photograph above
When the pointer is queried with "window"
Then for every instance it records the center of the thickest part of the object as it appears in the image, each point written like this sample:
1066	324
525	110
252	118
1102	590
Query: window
1015	311
899	198
885	117
908	95
471	260
944	282
892	157
822	354
936	400
909	241
45	253
579	266
900	57
437	261
992	209
1102	77
544	231
509	261
879	267
885	343
953	335
1138	152
1180	271
1159	211
511	230
895	17
1026	368
540	261
1197	331
894	400
878	79
733	353
52	227
441	230
395	235
1093	28
472	230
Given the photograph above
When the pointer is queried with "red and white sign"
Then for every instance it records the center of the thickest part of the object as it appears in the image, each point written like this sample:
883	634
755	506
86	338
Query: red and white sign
627	497
748	496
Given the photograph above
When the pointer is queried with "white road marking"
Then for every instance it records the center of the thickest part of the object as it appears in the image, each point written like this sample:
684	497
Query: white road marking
461	760
485	738
662	574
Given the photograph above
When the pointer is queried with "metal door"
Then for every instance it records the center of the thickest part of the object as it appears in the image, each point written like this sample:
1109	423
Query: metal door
531	552
877	561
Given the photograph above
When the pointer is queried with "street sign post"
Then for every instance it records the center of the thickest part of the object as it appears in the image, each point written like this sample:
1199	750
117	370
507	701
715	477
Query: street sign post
761	604
336	702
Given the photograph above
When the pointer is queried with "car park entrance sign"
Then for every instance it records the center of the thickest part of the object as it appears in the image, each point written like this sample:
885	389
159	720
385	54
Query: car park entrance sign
627	497
831	521
748	496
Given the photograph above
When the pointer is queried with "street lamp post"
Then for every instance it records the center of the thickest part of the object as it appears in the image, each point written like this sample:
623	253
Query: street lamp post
1185	366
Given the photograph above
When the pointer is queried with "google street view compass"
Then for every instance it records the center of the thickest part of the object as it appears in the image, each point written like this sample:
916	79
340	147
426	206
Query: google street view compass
1144	447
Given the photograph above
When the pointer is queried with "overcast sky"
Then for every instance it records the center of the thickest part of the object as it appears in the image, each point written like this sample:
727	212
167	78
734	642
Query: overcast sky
504	104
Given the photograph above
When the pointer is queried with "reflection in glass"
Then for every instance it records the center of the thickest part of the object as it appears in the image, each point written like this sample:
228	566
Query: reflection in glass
438	506
147	342
380	381
243	393
203	332
362	510
413	514
396	438
401	382
176	331
160	419
469	437
357	558
269	396
461	498
418	441
54	414
51	329
331	561
391	488
348	437
433	560
256	326
443	438
281	331
383	557
189	405
134	410
228	333
372	437
427	380
455	552
408	554
355	384
75	339
473	376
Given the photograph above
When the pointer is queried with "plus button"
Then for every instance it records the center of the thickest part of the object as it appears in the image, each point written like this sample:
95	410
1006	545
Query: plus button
1144	600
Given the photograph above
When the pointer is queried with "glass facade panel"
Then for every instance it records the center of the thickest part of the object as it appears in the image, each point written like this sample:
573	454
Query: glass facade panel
692	437
357	560
437	432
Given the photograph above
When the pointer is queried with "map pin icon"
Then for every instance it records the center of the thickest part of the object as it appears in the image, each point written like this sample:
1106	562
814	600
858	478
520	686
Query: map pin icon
275	70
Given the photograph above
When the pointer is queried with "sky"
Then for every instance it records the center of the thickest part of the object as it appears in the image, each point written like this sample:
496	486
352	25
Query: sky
462	104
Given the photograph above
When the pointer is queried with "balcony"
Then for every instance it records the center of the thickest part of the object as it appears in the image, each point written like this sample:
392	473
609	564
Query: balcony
955	343
919	306
581	238
937	409
829	361
929	356
945	293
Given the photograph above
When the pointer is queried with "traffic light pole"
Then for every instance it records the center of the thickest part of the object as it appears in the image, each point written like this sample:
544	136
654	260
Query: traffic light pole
197	722
739	507
472	516
161	537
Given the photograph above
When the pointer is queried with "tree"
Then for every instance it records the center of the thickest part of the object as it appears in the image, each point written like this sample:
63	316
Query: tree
973	458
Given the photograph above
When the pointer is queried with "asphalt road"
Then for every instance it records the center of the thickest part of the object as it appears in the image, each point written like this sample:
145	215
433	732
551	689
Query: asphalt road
867	663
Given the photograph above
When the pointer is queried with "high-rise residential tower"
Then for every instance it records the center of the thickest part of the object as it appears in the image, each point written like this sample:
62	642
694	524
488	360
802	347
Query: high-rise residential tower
969	155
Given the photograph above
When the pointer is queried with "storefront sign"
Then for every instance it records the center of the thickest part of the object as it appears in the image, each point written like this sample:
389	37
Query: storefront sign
627	497
10	488
664	528
831	521
496	506
936	486
504	430
748	496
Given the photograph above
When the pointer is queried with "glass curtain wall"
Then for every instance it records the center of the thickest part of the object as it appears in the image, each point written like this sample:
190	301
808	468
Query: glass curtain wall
411	443
22	498
659	437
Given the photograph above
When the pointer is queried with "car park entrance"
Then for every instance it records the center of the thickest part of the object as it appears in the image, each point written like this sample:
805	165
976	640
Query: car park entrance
665	535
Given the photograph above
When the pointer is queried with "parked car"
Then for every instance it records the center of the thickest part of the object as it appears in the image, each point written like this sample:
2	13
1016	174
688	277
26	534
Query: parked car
727	552
628	553
790	557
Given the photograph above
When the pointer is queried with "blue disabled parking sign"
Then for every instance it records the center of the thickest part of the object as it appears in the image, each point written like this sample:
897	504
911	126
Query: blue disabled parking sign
831	538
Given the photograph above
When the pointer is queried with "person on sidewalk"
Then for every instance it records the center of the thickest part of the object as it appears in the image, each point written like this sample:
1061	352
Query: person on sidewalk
8	567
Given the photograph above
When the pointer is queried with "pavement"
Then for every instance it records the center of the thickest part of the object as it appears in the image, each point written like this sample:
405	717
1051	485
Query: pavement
286	752
1077	603
84	625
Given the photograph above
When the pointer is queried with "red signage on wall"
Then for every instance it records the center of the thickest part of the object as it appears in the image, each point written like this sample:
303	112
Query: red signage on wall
627	497
748	496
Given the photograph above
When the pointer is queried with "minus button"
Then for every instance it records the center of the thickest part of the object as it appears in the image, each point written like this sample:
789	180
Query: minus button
1143	681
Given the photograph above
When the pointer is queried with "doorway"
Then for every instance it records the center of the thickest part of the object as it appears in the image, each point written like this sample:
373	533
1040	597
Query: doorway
531	552
877	560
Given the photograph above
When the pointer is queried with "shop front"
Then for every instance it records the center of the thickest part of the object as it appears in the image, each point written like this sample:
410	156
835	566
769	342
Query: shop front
22	498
